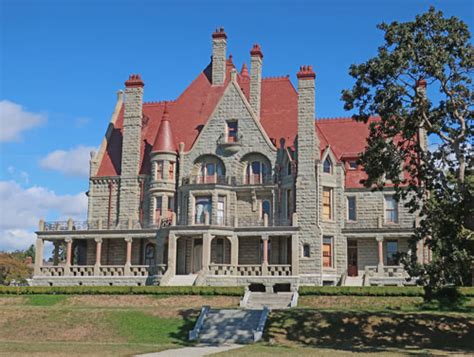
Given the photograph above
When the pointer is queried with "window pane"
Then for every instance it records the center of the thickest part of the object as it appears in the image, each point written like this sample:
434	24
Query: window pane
327	252
392	249
210	169
266	208
351	208
256	167
306	251
327	165
203	206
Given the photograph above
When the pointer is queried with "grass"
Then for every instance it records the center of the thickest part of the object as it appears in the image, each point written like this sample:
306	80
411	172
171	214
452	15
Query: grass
124	325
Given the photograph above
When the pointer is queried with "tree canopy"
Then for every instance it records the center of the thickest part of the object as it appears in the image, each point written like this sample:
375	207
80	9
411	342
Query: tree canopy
419	86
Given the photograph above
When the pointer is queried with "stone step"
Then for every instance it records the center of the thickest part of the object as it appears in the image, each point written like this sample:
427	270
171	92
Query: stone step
271	300
354	281
182	280
229	326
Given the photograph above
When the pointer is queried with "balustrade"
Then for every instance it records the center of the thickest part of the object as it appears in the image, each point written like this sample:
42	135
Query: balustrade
249	270
52	271
222	269
279	270
82	270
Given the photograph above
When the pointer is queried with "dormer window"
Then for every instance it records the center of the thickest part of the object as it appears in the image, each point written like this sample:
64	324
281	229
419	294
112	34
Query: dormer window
327	166
232	131
352	165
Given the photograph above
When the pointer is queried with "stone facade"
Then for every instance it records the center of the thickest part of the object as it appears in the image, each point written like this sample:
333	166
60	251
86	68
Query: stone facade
233	208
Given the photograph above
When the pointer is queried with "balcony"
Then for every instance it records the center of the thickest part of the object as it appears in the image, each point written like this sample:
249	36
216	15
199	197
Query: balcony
230	145
247	180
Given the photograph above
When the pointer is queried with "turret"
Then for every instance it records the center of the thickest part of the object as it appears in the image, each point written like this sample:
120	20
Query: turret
163	175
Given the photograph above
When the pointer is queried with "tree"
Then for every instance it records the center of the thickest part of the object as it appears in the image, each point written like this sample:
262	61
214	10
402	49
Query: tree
13	268
23	254
420	85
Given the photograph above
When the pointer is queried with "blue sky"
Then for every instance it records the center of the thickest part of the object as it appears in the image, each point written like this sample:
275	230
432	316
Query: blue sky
62	62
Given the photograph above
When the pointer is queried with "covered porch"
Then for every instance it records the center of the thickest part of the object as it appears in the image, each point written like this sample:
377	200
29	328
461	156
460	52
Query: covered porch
108	259
233	254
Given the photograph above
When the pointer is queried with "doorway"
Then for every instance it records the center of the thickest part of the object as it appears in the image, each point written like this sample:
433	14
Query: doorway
352	269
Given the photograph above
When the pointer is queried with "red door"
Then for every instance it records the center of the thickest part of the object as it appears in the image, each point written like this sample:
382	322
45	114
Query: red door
352	258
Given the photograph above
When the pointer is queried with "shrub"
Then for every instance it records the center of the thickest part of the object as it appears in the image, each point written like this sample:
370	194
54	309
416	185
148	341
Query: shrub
123	290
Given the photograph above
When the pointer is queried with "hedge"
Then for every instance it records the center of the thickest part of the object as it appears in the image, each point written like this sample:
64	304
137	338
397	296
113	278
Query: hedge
371	291
123	290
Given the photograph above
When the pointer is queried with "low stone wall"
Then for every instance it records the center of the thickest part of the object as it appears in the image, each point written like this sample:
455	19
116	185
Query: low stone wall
95	281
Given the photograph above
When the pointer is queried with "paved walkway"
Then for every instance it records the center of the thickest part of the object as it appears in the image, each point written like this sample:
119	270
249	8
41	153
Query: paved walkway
197	351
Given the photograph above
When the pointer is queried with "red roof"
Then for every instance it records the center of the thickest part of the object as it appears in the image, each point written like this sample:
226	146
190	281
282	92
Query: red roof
190	111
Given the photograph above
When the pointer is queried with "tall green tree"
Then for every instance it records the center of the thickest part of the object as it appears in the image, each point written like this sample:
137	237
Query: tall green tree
420	85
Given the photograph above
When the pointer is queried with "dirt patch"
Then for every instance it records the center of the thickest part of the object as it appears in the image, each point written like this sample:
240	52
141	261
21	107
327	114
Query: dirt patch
359	302
12	300
172	302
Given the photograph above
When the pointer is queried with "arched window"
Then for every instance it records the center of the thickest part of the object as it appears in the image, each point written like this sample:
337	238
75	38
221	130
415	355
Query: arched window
256	172
210	169
327	166
266	208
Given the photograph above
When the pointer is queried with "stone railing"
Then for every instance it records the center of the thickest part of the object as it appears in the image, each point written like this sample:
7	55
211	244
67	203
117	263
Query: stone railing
82	270
389	271
112	270
103	270
207	180
52	271
222	269
386	275
249	270
279	270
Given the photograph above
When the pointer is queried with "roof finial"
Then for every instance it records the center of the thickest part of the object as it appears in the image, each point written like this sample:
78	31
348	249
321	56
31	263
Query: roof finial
244	72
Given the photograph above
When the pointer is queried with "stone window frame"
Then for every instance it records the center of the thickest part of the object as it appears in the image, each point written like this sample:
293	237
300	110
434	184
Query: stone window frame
265	167
193	194
303	251
227	131
355	208
331	203
332	251
328	161
160	170
200	168
396	209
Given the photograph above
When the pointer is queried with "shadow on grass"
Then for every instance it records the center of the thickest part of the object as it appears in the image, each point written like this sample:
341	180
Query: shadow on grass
372	331
189	318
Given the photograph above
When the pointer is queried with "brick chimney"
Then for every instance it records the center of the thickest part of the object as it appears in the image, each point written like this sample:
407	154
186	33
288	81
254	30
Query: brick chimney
219	46
308	155
256	57
129	201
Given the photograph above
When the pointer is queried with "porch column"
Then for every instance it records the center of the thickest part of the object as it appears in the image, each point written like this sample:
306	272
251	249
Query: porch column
98	255
67	267
294	255
128	256
172	253
234	252
38	256
380	252
265	255
160	245
206	250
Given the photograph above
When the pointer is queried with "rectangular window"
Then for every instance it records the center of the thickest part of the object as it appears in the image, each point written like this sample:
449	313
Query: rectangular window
221	210
170	206
391	209
327	252
352	165
392	250
327	203
158	206
232	130
159	170
351	208
171	171
203	209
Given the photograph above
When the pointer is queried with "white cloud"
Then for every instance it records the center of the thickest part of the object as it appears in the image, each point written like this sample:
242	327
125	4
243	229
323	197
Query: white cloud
14	119
21	209
72	162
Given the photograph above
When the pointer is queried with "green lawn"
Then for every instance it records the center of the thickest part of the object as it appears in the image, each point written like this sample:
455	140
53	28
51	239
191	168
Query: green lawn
124	325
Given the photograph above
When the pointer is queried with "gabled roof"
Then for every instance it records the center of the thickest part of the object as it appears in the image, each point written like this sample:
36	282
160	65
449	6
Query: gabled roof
188	114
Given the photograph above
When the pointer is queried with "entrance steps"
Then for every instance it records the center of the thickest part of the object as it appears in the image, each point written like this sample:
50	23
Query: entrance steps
273	301
354	281
182	280
230	326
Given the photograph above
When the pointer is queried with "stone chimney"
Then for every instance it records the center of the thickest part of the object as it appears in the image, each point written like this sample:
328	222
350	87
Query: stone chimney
308	154
129	201
256	57
219	46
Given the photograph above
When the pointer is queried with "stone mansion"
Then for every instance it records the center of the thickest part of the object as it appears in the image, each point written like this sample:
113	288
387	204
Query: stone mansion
233	183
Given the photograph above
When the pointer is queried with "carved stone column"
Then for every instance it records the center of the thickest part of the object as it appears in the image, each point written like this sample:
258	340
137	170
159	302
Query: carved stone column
39	256
206	250
380	254
67	267
128	256
98	255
